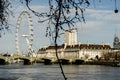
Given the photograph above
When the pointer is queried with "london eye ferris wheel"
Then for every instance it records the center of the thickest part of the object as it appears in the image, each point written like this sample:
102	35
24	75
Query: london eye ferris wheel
28	36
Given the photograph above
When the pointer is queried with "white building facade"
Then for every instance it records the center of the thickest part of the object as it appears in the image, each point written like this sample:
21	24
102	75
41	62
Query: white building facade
71	49
71	37
79	51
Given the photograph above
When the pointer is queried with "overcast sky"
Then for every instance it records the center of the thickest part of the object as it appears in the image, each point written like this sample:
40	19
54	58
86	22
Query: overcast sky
101	25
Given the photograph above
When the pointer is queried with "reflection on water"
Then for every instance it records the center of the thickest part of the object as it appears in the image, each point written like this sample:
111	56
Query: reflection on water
52	72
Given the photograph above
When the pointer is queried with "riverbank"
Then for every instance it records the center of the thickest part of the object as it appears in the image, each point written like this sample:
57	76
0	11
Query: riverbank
80	62
105	63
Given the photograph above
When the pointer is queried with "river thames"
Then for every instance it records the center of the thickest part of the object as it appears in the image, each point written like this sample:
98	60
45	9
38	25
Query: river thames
53	72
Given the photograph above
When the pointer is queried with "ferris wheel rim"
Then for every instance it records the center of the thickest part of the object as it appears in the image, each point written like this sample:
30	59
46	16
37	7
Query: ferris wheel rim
24	13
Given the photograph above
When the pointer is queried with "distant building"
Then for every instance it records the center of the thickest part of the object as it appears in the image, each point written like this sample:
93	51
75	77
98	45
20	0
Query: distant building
71	37
71	49
82	51
116	43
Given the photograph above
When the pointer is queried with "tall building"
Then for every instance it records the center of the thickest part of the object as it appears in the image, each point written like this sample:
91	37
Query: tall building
116	43
71	37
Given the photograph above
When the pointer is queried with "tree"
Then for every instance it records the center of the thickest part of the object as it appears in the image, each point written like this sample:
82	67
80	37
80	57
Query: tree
4	14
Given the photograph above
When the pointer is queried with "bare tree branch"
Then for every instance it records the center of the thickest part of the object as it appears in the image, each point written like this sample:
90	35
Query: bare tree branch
4	15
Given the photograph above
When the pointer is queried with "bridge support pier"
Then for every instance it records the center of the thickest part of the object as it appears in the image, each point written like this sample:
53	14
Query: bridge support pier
27	62
3	62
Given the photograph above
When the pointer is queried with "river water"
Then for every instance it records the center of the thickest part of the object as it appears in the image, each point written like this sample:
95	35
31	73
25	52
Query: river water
53	72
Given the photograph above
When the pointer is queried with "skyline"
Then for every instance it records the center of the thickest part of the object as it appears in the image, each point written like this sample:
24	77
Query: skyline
101	25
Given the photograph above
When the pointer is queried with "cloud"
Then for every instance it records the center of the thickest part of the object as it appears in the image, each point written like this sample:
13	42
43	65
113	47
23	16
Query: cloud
100	26
102	14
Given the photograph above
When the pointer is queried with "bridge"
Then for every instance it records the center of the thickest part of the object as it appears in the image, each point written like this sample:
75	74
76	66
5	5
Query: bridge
4	60
63	60
27	60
